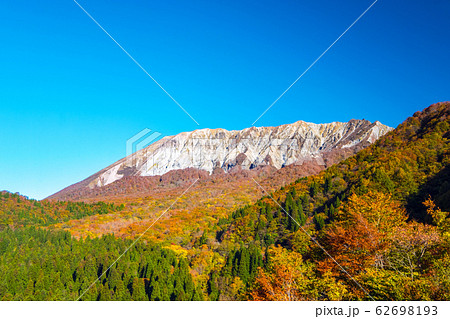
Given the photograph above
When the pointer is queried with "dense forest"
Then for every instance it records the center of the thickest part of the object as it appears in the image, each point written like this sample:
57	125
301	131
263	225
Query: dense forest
38	264
379	217
375	226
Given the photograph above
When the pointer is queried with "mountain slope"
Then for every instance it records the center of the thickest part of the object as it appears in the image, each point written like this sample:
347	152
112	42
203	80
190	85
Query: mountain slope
378	214
218	150
410	164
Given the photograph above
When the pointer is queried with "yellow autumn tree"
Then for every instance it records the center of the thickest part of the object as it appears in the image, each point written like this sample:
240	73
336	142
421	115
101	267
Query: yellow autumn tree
379	209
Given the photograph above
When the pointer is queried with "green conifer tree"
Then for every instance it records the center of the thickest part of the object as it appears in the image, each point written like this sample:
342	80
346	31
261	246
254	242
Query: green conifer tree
139	290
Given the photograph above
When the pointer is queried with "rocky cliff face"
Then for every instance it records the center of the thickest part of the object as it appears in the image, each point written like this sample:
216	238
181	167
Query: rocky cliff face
219	150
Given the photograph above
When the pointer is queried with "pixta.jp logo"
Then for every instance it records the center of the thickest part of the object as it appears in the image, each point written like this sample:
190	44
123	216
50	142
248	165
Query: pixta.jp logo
141	140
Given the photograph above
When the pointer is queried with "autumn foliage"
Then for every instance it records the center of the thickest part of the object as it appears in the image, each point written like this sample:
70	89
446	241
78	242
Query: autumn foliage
375	226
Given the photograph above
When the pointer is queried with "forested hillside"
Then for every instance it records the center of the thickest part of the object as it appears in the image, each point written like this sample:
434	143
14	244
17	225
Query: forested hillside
17	210
379	214
374	226
41	265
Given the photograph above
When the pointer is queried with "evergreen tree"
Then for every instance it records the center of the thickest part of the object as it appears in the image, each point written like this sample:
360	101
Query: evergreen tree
288	203
139	290
244	265
327	184
156	292
294	221
269	215
121	293
213	290
331	212
28	294
313	189
319	222
294	193
337	202
105	293
198	296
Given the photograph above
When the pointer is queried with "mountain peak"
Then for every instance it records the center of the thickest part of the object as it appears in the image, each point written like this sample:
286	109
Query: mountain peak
214	150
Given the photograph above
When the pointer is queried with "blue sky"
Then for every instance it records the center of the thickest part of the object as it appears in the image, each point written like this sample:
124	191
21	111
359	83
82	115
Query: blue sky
70	98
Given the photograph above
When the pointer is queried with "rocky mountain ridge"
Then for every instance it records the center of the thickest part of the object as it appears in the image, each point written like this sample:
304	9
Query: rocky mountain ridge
217	151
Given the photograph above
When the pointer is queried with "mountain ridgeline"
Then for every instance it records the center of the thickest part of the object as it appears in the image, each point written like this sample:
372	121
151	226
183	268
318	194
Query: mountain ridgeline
216	151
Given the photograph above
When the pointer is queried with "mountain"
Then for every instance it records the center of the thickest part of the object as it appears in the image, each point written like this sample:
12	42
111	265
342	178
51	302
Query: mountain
410	164
217	151
382	216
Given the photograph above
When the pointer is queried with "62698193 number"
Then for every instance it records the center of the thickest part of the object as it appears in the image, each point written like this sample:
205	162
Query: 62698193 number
406	310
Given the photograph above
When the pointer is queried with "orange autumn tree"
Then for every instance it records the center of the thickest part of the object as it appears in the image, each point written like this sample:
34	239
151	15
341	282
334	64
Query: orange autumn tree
374	243
360	235
286	277
379	209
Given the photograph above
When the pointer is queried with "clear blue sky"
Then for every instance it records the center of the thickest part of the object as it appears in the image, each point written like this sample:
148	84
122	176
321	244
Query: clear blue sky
70	98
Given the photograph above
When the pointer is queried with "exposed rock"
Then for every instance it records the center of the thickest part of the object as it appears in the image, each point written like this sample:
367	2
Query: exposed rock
313	146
